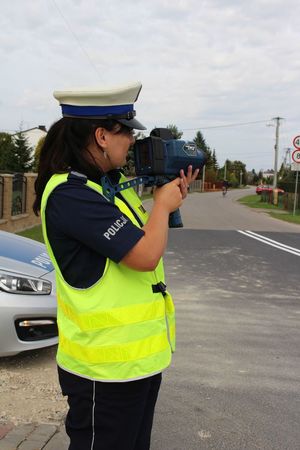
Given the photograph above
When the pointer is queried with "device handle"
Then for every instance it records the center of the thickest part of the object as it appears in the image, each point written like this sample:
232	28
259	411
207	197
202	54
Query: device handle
175	220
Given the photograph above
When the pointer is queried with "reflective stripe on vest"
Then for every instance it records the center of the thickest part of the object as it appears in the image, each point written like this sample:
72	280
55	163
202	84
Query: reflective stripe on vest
117	329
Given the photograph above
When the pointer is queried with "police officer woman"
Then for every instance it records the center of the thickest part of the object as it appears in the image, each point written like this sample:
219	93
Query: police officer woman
116	321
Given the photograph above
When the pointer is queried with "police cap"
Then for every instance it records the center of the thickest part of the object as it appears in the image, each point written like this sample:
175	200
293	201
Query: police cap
112	103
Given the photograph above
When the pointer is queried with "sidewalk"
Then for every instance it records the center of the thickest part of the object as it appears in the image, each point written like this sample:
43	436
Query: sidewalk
33	437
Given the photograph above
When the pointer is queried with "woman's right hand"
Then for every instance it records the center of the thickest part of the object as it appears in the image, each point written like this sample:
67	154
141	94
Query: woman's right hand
169	195
146	254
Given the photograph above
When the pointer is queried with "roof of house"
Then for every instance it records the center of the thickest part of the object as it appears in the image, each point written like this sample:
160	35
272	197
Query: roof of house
40	127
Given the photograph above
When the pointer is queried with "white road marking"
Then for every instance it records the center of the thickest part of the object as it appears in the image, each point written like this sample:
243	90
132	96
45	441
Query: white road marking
276	244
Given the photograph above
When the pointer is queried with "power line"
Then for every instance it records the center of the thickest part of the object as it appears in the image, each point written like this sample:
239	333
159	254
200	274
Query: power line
226	126
76	38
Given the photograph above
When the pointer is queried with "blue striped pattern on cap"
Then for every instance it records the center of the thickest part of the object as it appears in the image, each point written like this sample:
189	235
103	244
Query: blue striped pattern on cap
86	111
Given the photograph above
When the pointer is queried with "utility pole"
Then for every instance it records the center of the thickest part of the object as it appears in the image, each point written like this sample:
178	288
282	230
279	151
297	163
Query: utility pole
277	119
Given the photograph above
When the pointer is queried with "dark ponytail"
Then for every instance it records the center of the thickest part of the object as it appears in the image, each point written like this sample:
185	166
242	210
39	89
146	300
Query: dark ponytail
65	147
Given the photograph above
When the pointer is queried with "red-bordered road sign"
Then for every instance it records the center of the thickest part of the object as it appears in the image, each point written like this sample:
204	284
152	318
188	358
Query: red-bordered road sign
296	142
296	156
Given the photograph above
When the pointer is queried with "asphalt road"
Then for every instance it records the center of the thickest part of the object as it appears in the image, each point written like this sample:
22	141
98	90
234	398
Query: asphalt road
235	379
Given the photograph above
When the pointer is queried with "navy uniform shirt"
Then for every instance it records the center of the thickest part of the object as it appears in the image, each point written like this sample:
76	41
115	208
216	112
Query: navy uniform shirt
84	229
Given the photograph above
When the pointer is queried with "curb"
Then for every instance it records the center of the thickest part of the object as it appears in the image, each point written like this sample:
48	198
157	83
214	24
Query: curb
41	436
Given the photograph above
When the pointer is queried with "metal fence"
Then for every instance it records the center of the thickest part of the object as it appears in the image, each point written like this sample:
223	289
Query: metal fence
1	196
195	186
18	194
289	200
285	201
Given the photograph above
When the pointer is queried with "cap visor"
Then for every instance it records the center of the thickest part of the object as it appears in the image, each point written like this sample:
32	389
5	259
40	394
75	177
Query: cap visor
132	123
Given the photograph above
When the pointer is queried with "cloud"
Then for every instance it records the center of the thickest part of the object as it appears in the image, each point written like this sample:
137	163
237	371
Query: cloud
202	63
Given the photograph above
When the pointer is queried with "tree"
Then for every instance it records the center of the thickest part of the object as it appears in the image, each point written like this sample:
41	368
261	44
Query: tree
201	144
255	179
129	168
283	171
6	151
176	133
21	160
288	182
233	172
233	180
215	164
238	168
200	141
210	175
252	177
37	153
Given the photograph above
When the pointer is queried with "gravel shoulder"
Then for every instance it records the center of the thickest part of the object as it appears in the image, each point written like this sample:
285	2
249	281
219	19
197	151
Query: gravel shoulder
29	388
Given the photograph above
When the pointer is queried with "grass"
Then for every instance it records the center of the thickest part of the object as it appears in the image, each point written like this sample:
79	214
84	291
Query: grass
254	201
33	233
146	196
287	217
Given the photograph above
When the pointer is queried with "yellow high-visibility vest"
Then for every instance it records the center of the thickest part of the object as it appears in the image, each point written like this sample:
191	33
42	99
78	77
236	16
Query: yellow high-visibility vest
118	329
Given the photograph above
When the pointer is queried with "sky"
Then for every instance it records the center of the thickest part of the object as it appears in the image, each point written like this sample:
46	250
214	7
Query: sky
224	67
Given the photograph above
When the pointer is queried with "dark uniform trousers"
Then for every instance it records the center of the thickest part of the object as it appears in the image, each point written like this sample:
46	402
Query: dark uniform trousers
109	416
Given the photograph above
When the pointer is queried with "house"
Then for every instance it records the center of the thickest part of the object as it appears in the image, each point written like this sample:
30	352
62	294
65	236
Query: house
268	173
33	135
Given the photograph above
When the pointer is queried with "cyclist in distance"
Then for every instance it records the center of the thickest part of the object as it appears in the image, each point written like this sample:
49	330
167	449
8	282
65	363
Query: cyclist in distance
225	186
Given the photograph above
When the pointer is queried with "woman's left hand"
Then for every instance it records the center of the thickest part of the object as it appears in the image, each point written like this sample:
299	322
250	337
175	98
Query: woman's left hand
187	179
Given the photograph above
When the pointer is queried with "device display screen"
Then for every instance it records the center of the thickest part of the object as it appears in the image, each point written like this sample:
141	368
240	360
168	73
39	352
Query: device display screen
144	154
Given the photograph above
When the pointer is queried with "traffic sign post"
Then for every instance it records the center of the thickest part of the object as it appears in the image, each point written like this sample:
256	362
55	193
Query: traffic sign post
296	166
295	199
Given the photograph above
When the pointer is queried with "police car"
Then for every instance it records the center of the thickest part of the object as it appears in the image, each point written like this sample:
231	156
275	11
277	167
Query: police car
27	295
